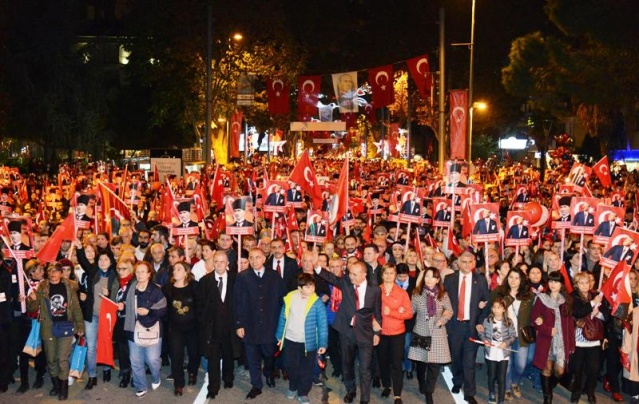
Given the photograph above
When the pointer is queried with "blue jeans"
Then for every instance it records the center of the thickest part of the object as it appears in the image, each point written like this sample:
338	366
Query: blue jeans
516	364
149	355
408	364
532	371
91	334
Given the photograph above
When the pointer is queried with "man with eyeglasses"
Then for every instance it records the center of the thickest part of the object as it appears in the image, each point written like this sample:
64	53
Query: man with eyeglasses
468	293
217	331
441	263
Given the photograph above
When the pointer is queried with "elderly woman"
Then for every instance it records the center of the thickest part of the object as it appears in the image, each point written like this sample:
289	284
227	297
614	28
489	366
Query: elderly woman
125	275
144	304
429	345
61	317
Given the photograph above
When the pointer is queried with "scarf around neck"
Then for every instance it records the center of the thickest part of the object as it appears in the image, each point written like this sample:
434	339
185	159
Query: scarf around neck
431	300
558	339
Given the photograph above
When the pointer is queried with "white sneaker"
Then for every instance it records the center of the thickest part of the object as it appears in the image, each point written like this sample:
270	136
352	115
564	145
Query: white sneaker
155	386
140	393
290	394
71	380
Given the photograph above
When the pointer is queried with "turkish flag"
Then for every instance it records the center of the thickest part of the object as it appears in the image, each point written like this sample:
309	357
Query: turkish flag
112	205
564	274
381	81
458	123
106	324
339	204
217	188
420	72
168	206
616	288
236	130
278	97
453	245
200	202
602	169
304	174
64	231
308	93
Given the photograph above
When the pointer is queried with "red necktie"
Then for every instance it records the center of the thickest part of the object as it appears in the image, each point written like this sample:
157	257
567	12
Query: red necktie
356	302
278	268
462	300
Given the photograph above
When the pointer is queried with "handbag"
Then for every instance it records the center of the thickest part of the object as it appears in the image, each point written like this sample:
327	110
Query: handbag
528	334
34	343
145	336
592	329
62	329
421	342
77	359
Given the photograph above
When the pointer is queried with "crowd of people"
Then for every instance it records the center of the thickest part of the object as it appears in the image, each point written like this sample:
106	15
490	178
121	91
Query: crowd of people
392	299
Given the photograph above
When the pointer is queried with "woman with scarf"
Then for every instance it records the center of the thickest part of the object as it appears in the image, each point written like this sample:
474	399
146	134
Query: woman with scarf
125	273
101	280
396	309
552	318
429	345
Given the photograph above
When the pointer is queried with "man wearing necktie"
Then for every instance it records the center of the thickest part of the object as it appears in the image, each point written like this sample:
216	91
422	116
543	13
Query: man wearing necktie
468	293
217	332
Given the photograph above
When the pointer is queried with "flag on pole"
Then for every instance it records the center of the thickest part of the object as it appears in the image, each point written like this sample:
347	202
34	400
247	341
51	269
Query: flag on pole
602	169
616	289
305	176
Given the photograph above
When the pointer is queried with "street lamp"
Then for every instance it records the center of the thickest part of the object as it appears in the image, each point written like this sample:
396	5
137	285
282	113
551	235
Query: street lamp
481	106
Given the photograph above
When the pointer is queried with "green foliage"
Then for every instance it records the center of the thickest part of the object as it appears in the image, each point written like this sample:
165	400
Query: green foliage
484	146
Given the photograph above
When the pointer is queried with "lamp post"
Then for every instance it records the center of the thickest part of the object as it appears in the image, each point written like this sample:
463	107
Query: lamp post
470	82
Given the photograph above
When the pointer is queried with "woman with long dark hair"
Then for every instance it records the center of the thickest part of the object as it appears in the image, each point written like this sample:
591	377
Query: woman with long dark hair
519	301
552	318
429	346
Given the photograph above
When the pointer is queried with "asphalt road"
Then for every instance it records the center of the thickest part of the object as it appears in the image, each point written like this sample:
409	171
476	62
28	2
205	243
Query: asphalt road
332	393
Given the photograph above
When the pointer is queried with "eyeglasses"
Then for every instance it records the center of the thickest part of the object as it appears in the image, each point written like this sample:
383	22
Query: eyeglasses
123	268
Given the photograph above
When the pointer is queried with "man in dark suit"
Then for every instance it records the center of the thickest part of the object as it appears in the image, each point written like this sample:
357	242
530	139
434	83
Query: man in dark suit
360	307
620	252
239	213
443	215
584	217
217	332
184	214
522	197
275	198
15	236
283	265
486	225
606	228
518	231
468	293
258	300
294	194
373	269
411	206
81	208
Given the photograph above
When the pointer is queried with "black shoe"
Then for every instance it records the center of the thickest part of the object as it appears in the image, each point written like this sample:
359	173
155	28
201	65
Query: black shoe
349	397
386	392
4	388
228	385
192	379
39	381
56	387
24	386
275	374
126	379
64	390
398	400
592	399
376	382
91	383
270	382
456	389
106	375
179	390
409	375
254	393
165	361
470	399
429	398
211	395
363	402
170	377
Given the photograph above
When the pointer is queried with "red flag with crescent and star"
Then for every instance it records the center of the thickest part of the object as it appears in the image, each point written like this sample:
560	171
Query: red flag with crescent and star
458	123
393	140
278	94
308	93
305	176
381	81
64	231
602	169
419	69
106	324
615	289
340	199
236	130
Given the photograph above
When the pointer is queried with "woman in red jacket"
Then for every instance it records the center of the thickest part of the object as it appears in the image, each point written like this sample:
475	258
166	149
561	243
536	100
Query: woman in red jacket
396	308
552	317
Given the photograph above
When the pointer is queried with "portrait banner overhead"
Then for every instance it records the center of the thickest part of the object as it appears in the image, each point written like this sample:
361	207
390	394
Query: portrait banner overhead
345	85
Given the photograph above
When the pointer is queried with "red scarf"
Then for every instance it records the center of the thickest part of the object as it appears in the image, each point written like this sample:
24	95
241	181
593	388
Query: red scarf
125	280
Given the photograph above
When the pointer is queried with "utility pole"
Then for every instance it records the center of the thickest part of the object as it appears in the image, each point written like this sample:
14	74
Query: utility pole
442	92
209	106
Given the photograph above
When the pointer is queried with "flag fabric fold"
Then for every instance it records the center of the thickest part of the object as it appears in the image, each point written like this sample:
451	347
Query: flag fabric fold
106	324
381	81
278	94
602	169
306	177
419	69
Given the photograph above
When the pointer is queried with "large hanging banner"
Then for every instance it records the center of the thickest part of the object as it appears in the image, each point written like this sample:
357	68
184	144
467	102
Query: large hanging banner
458	123
345	85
